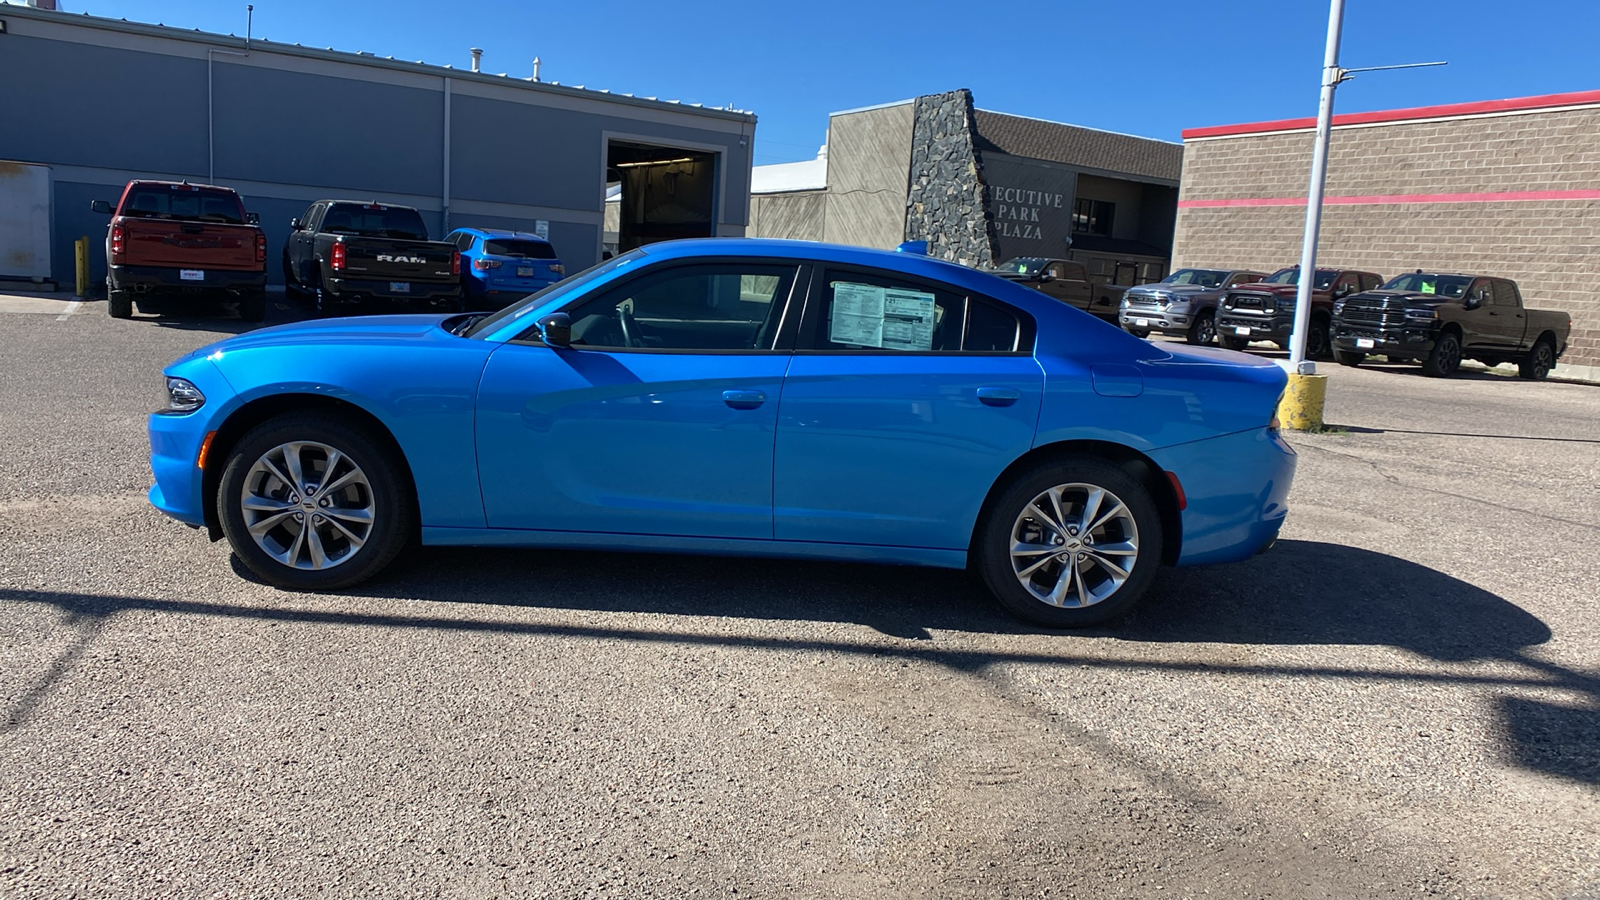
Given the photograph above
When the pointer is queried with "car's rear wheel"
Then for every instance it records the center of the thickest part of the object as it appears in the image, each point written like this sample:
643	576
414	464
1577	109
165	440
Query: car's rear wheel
119	303
311	503
1539	361
1072	543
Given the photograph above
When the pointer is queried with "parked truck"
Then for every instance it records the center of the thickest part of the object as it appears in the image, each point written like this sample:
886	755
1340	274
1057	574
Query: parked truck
1438	319
1066	281
1264	311
1184	302
172	239
344	252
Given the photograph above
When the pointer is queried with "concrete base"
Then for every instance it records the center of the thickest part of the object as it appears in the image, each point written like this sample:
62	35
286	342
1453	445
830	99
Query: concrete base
26	286
1568	372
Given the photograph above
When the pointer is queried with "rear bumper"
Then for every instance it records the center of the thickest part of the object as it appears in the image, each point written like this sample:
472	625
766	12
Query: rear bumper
1237	488
354	289
144	279
1274	328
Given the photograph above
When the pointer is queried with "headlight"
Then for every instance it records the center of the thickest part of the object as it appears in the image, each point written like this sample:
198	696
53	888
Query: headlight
1338	307
183	396
1420	314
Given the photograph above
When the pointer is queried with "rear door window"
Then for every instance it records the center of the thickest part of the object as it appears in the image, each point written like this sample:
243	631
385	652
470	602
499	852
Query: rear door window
878	312
375	220
520	248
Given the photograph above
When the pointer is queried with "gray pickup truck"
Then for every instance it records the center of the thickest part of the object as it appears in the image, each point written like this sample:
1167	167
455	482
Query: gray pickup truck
1440	319
1184	302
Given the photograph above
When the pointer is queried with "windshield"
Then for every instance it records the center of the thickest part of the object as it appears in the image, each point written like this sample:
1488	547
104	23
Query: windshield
375	220
534	301
184	201
1203	277
1429	283
1023	265
522	248
1291	275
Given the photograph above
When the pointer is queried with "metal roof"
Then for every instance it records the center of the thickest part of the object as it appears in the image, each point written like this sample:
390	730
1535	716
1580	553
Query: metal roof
1075	145
364	58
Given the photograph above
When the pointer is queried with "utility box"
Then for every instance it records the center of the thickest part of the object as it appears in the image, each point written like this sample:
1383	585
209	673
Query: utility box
24	221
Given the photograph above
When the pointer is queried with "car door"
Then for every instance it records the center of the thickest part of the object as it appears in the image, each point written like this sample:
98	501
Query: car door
301	244
1479	317
904	401
1508	321
658	419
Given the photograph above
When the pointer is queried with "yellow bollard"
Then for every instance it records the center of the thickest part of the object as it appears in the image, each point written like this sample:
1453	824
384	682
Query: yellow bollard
1300	409
80	248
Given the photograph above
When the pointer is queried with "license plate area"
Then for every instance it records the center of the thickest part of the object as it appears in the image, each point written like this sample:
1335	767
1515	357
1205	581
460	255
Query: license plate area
524	271
1365	343
192	274
1242	329
1142	323
400	287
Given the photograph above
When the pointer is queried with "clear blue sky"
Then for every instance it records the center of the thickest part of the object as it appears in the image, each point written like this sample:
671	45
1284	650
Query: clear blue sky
1146	67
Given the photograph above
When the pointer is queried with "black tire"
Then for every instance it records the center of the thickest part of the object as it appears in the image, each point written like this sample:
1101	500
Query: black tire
1349	358
253	306
1317	344
1203	332
1540	360
1234	342
387	494
1445	358
1006	520
118	303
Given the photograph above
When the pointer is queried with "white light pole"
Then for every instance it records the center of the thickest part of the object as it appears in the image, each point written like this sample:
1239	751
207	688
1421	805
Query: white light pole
1332	75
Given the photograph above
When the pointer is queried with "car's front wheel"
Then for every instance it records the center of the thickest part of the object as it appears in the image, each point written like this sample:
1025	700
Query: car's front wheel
1072	543
1203	333
311	503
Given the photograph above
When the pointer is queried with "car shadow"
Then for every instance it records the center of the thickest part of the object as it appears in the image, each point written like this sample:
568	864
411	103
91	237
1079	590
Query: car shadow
216	316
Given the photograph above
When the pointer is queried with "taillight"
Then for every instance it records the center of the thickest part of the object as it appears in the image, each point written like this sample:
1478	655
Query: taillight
336	257
119	240
261	248
455	262
558	268
483	265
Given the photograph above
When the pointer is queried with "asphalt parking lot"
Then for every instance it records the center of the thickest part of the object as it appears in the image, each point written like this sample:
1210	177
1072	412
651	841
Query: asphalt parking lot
1401	699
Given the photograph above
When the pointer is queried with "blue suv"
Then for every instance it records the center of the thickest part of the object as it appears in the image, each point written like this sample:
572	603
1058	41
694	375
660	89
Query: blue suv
499	267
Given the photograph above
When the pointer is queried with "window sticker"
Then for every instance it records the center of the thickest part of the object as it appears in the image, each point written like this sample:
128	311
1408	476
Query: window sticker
865	315
1427	287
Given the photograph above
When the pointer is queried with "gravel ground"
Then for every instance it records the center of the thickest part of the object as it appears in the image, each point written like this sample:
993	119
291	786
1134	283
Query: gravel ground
1402	699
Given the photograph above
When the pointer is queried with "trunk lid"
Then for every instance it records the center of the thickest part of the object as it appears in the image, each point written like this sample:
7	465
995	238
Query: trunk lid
397	259
193	245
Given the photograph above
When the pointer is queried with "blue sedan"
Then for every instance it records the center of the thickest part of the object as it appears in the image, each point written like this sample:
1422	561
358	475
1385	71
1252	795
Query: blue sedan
500	267
745	397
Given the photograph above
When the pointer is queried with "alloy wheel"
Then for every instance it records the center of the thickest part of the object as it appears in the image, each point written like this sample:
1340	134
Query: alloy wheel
1074	545
308	505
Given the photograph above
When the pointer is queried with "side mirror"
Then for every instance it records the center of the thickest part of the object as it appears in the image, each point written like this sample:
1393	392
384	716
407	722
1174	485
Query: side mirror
100	206
294	224
1474	300
556	330
252	218
1343	290
1046	278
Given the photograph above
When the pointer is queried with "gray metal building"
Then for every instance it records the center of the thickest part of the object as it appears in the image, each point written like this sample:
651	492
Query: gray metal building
102	101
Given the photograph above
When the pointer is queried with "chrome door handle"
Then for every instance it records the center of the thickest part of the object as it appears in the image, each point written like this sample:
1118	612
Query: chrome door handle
997	396
744	399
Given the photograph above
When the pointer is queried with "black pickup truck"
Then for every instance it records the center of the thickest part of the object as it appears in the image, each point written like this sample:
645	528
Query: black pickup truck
346	251
1439	319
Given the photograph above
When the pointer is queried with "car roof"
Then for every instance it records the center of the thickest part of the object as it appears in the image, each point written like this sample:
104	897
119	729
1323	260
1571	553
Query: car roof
503	233
187	184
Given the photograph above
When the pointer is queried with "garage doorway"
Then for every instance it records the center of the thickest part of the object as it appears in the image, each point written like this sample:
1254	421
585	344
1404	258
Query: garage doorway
661	193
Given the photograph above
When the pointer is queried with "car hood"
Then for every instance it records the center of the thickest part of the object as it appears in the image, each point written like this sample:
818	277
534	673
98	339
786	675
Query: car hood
1016	276
1282	290
348	330
1416	298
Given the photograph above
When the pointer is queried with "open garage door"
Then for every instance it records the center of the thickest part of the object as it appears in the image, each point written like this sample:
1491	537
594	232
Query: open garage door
665	193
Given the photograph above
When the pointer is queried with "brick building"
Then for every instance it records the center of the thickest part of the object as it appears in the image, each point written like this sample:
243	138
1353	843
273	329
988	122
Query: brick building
1505	187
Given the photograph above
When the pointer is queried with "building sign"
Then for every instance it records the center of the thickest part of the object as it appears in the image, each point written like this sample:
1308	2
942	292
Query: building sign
1031	206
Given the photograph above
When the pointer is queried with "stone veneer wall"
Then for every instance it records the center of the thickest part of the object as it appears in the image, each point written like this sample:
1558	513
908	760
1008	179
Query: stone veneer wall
1551	247
947	202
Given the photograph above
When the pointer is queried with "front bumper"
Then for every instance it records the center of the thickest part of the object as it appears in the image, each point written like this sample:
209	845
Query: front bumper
1155	318
1237	487
1255	328
1411	343
175	441
165	279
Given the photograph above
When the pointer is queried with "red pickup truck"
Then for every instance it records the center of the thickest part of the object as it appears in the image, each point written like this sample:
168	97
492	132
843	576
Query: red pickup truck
190	240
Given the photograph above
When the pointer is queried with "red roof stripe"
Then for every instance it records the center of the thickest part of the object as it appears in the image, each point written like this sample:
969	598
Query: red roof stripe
1548	101
1375	199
